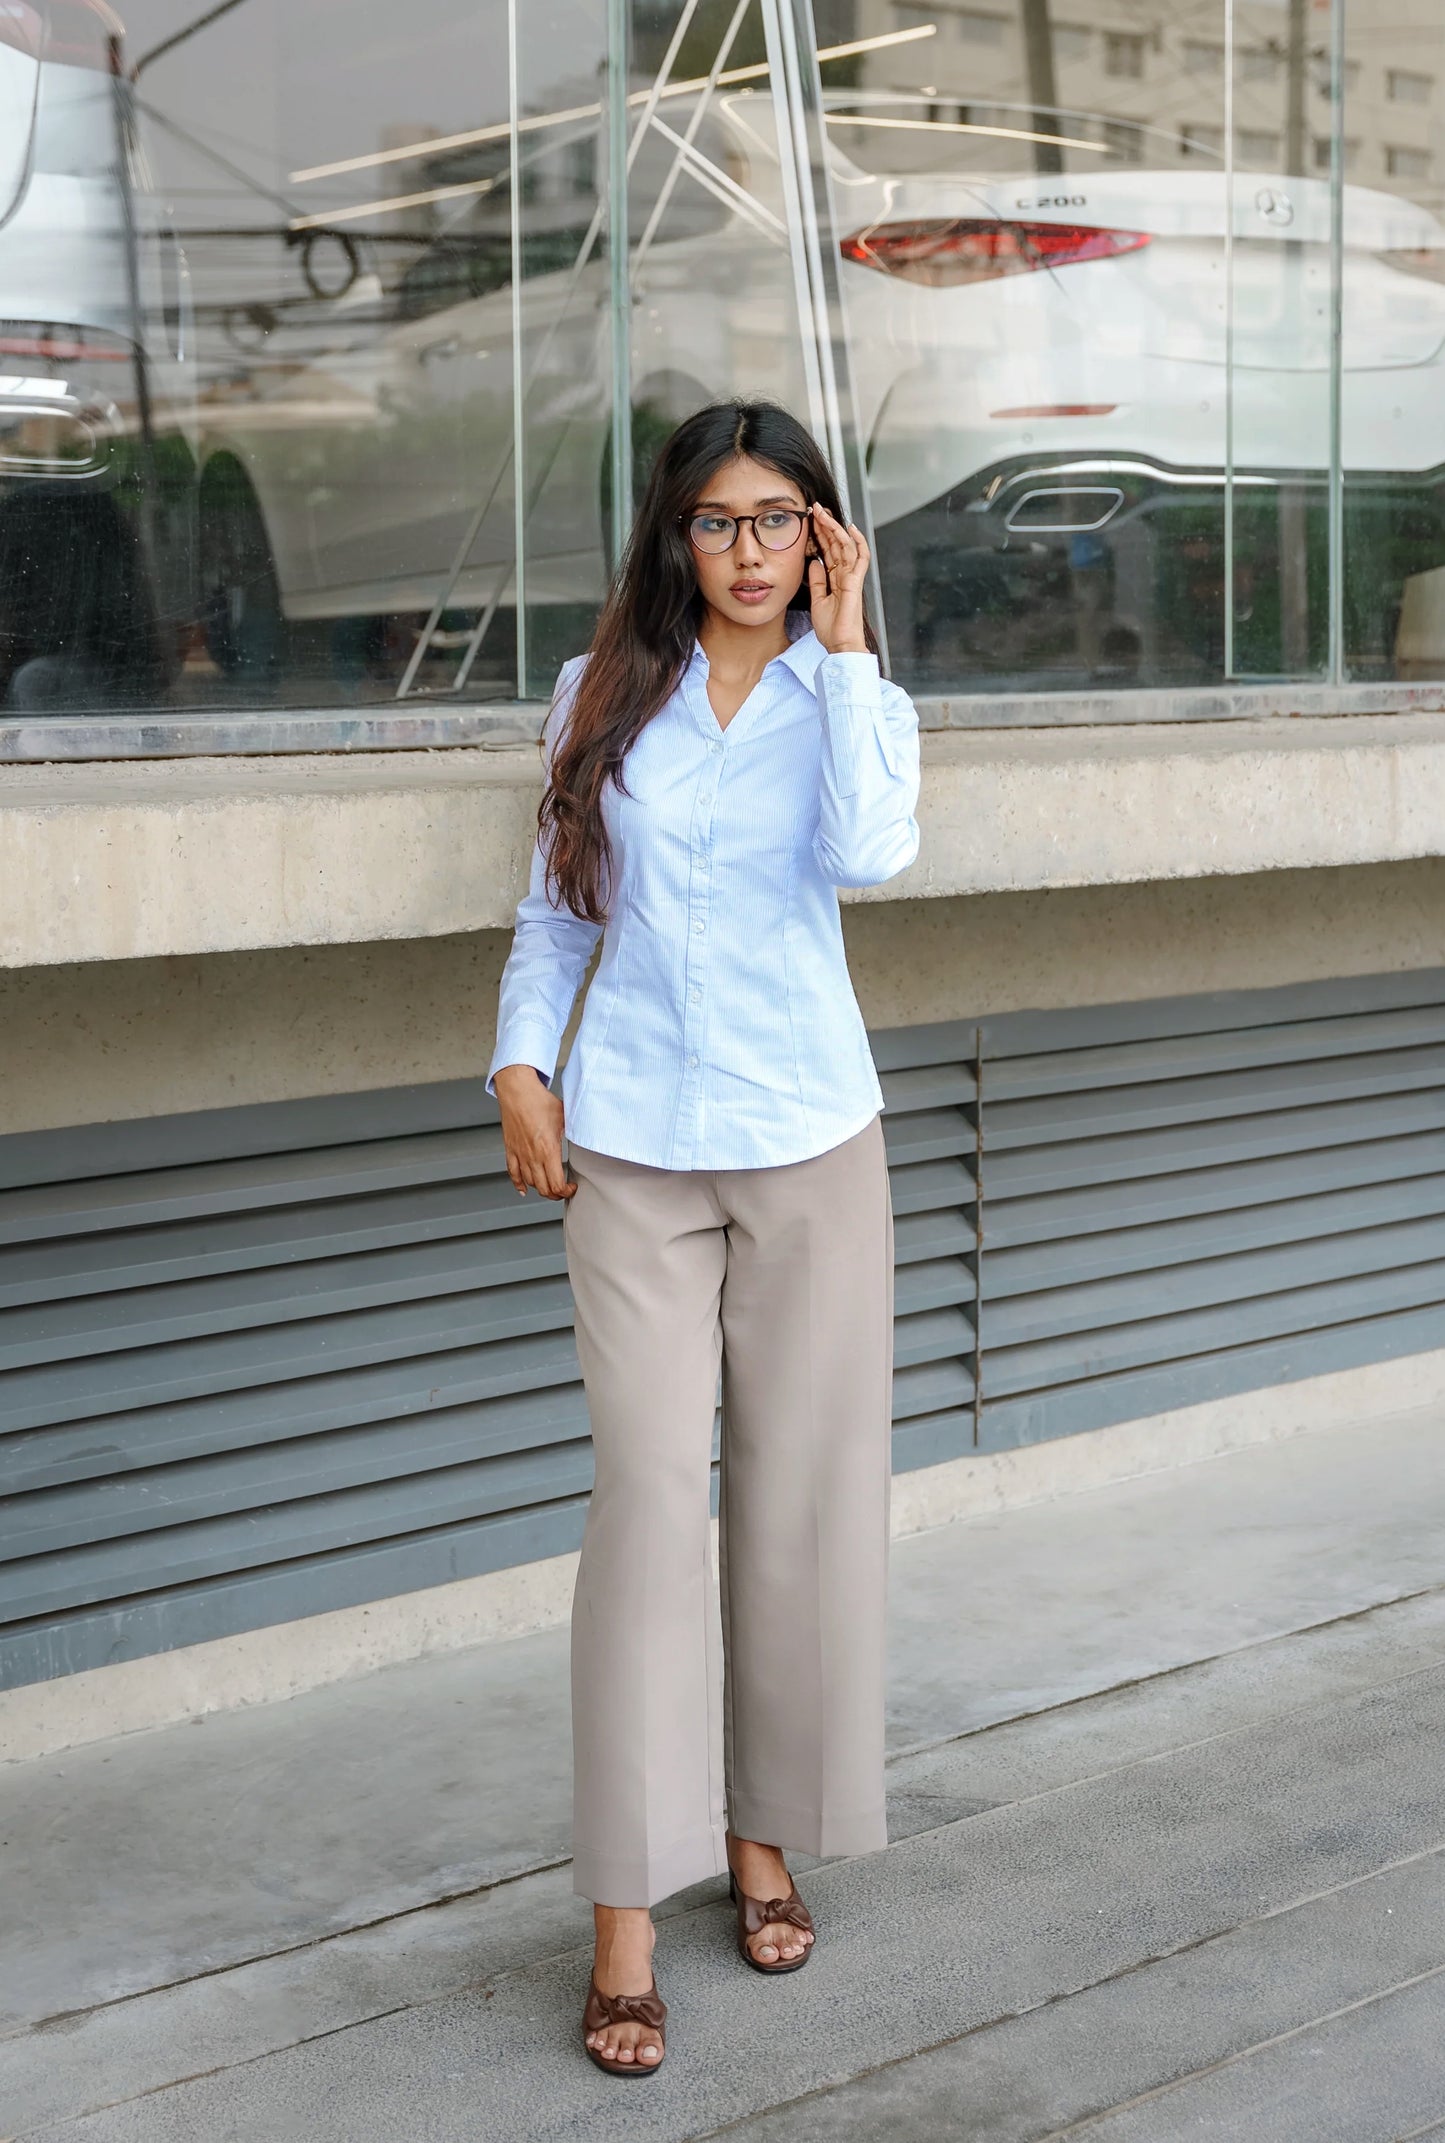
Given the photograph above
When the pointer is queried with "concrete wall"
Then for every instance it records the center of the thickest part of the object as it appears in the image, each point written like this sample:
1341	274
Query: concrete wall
155	858
115	1039
1003	952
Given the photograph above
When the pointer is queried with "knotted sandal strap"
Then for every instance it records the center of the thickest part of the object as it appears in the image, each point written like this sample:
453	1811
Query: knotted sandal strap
754	1914
603	2009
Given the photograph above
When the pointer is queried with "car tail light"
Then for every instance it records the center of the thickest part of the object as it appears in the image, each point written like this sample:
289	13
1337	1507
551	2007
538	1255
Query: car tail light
946	250
43	344
1058	409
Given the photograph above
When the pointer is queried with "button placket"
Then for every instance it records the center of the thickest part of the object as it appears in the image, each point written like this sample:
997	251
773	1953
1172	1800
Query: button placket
699	902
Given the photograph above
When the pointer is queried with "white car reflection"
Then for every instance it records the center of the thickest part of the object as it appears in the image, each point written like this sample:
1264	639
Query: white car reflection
97	434
1042	378
1082	360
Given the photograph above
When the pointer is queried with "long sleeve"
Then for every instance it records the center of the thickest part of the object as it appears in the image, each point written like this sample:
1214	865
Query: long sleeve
867	830
550	948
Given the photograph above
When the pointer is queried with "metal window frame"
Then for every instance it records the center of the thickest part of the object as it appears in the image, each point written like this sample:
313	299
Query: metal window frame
507	724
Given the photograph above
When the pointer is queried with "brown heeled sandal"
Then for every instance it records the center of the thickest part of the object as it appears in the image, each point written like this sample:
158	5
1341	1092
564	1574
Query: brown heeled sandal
754	1915
604	2009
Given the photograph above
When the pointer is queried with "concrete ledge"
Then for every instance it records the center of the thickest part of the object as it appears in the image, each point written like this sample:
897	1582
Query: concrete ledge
137	859
1010	812
125	861
262	1666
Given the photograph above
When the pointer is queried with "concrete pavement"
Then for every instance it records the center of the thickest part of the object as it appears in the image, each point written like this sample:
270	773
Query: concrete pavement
1169	1860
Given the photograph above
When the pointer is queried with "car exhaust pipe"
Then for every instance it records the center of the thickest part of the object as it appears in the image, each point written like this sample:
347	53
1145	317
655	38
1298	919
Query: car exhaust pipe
1063	509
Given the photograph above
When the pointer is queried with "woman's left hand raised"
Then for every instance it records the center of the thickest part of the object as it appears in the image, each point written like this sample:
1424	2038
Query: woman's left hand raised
837	593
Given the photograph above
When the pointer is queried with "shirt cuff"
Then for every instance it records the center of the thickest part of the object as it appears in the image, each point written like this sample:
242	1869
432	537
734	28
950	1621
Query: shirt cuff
524	1042
848	698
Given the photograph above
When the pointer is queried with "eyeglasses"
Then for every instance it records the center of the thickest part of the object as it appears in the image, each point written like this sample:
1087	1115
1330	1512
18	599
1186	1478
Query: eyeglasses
776	530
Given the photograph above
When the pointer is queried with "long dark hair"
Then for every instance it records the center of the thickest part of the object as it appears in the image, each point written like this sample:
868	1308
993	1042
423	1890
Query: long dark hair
645	635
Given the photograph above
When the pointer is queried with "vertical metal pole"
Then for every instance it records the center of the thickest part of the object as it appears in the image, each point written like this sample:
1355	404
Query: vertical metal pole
1293	507
1229	338
1337	332
619	294
802	142
519	428
136	305
135	299
793	190
1296	63
1043	94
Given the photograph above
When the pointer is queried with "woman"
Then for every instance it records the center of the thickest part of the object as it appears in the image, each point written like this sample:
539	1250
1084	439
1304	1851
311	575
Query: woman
722	761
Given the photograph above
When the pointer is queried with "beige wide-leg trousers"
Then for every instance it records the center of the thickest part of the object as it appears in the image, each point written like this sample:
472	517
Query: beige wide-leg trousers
784	1277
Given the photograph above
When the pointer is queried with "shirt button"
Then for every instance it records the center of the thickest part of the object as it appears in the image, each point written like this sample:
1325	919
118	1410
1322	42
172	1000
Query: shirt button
698	929
714	749
695	997
693	1062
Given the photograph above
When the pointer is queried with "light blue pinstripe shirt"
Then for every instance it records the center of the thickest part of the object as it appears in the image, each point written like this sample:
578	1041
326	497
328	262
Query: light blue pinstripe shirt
721	1029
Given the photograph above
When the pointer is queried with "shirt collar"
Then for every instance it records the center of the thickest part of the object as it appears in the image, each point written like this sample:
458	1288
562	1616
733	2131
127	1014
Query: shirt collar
805	650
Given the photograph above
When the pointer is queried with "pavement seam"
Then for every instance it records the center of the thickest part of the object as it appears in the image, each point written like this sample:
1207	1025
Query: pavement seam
290	1949
1176	1748
1164	1674
220	2068
955	1741
1243	2053
1142	1964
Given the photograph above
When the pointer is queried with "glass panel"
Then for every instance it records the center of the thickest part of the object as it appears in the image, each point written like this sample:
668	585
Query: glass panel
251	390
1034	231
278	422
274	409
1393	371
1280	343
722	301
564	343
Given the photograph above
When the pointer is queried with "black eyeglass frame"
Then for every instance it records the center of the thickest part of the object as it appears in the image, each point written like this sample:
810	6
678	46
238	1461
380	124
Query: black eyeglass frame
801	514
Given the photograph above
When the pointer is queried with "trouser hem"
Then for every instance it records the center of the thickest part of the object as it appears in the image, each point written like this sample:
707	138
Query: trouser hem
804	1830
608	1879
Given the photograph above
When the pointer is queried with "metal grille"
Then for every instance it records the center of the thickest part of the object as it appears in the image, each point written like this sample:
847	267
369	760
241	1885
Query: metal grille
1196	1197
257	1363
262	1362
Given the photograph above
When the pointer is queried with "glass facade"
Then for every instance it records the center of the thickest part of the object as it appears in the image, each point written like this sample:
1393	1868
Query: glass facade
335	339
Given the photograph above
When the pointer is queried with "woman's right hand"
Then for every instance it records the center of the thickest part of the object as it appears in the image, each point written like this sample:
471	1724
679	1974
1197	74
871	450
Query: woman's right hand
532	1131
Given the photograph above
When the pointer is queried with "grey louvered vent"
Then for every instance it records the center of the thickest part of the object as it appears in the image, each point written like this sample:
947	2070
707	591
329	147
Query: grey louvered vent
257	1363
930	1125
1188	1199
262	1362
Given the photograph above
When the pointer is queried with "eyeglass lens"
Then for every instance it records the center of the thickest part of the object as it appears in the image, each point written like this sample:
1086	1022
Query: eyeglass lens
776	530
